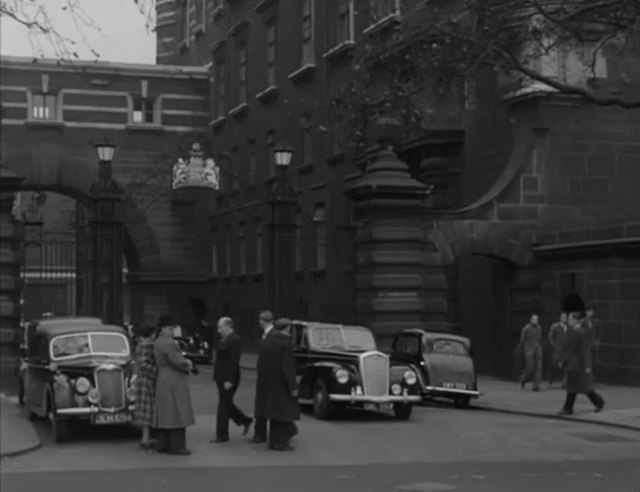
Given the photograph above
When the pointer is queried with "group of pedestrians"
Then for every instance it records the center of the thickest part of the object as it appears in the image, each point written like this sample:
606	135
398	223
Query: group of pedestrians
575	346
163	401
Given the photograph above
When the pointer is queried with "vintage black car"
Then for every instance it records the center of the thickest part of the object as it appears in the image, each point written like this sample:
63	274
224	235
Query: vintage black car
445	361
339	366
195	349
76	368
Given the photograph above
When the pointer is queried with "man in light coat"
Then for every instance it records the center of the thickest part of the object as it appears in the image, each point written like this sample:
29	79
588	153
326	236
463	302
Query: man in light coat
530	339
173	410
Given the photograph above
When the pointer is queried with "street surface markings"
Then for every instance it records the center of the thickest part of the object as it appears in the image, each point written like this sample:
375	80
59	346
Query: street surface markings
601	437
479	477
425	487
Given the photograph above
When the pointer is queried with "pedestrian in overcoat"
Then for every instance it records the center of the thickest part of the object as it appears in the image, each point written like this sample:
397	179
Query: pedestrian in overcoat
173	411
556	340
281	403
265	320
530	339
577	357
145	383
226	374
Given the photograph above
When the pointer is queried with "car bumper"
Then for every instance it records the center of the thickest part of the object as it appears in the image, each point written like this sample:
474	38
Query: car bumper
438	391
86	411
375	399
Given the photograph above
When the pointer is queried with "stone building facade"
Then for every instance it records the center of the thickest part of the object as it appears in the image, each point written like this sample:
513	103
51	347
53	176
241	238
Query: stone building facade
510	203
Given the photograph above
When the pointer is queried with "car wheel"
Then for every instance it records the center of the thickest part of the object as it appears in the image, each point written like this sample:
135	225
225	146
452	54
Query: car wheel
402	411
462	402
322	407
59	427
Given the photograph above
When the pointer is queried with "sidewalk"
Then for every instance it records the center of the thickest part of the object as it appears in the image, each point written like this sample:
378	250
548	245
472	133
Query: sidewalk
622	408
17	435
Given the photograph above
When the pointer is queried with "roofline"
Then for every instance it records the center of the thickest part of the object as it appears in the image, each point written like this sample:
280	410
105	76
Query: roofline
103	67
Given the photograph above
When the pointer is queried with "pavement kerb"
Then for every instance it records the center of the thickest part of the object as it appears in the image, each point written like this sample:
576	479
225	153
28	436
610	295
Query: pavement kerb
527	413
20	452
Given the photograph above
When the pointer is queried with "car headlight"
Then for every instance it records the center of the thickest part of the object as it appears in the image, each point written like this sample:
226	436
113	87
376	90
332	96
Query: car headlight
131	394
82	386
342	376
396	389
410	377
94	396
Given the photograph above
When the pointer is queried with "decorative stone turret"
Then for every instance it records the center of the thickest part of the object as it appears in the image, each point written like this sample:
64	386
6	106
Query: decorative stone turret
389	208
10	281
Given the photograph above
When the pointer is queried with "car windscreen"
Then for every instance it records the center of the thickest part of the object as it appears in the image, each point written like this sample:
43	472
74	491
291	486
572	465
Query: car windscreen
80	344
447	346
341	338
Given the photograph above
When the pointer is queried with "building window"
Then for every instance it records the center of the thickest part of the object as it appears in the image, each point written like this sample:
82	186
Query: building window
219	82
183	23
242	251
382	9
143	110
214	257
271	52
242	72
228	258
308	52
251	172
259	248
307	143
298	243
43	107
345	32
271	143
319	220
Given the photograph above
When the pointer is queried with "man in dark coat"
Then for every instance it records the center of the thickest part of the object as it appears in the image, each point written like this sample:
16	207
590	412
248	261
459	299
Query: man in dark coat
530	341
593	330
556	340
281	403
578	364
226	374
265	320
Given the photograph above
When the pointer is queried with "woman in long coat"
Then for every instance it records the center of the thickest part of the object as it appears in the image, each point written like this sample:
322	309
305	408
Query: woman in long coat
145	384
173	411
579	365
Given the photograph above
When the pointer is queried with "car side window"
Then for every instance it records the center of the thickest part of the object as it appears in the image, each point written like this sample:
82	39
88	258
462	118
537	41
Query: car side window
299	336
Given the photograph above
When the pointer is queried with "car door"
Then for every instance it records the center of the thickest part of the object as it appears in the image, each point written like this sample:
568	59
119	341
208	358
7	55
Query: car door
407	347
301	350
37	374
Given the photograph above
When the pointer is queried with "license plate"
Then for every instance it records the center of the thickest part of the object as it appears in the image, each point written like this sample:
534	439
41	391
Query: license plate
458	386
385	407
112	418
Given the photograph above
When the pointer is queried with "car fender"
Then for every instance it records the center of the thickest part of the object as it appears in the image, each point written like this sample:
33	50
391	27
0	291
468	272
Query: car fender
324	370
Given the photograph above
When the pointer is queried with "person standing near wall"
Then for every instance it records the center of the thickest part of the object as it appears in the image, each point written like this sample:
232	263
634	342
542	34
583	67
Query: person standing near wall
530	339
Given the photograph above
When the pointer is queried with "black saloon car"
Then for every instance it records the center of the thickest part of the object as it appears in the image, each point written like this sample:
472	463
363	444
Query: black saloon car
339	366
76	368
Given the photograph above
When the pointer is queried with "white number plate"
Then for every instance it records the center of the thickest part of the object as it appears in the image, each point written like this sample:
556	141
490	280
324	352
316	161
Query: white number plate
112	418
458	386
384	407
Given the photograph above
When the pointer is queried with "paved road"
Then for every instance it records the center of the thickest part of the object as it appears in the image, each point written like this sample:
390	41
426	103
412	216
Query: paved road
441	448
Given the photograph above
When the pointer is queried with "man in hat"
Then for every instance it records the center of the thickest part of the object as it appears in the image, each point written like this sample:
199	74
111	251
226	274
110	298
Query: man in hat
265	320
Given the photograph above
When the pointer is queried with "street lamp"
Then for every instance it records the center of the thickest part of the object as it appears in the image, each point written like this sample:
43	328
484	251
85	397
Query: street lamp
105	151
282	203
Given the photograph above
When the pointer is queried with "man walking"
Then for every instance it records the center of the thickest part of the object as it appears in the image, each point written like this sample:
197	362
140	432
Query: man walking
577	353
226	374
281	404
265	320
530	341
557	334
592	330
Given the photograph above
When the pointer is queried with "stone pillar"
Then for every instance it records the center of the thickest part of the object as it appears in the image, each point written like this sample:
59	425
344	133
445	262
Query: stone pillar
10	281
389	208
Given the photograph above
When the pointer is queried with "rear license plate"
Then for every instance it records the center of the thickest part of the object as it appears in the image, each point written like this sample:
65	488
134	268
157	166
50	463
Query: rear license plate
112	418
384	407
458	386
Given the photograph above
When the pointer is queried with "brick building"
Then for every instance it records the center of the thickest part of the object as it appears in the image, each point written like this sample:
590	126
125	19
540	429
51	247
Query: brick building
533	206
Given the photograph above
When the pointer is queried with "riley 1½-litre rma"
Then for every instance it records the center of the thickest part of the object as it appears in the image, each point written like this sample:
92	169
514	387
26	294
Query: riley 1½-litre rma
445	362
76	368
339	366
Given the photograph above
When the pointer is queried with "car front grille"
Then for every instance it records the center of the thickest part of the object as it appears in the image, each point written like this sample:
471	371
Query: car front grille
374	368
110	384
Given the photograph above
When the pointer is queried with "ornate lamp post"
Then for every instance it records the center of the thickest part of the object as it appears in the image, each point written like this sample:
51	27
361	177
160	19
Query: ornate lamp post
99	289
282	203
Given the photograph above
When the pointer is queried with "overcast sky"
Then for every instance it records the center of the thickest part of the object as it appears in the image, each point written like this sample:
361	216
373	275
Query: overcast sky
119	34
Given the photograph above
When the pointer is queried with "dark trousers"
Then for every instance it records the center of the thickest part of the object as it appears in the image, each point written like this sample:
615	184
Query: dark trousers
593	395
172	440
532	366
280	433
227	409
260	429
